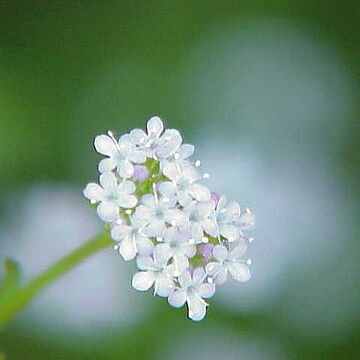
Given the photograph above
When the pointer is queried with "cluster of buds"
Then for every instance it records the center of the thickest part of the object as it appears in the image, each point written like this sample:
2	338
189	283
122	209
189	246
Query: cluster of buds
185	240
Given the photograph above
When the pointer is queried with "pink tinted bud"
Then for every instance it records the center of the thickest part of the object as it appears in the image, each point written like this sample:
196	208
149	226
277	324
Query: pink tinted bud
141	173
206	251
215	197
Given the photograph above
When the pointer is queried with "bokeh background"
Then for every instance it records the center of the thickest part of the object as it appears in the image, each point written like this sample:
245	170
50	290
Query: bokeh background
269	93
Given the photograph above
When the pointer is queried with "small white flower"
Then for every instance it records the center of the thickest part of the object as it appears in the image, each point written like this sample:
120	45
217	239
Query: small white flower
201	218
183	186
176	241
155	271
158	212
192	290
226	217
156	144
228	261
120	155
180	157
132	240
111	196
246	220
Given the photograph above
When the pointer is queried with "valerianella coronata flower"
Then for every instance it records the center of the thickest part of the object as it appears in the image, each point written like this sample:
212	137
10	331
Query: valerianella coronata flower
185	239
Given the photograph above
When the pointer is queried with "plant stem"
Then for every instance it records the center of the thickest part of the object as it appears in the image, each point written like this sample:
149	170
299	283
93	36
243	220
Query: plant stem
23	296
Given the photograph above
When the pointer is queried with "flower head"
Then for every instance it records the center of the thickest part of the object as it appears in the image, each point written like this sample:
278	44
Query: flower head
228	261
111	196
185	239
192	290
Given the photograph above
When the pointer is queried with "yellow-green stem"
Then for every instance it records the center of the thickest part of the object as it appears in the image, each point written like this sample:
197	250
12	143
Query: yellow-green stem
23	296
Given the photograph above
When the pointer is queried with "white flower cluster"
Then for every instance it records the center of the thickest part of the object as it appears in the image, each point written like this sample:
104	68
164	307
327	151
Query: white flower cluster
184	238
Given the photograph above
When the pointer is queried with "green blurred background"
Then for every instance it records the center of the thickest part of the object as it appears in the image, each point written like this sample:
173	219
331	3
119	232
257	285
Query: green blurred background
268	91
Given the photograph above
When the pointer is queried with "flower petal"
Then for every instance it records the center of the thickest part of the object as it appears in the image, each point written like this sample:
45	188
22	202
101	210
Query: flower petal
119	232
246	220
148	200
185	279
127	201
155	126
239	271
186	150
93	192
197	232
172	172
142	212
220	252
154	228
210	227
175	217
188	250
234	208
196	307
127	249
125	169
145	246
206	290
163	285
238	251
177	298
221	277
107	211
162	254
167	189
105	145
199	192
143	280
137	137
228	231
199	275
137	156
169	143
145	263
221	203
108	181
214	268
127	187
106	165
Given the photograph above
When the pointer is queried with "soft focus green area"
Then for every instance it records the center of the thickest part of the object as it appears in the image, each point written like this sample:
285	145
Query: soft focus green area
273	82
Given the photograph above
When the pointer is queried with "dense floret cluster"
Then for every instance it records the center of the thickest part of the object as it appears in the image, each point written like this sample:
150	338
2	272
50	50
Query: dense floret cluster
185	240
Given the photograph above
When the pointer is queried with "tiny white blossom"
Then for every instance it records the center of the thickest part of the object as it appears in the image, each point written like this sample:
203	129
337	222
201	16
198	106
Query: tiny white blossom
182	185
228	261
120	155
201	218
111	196
155	271
192	290
180	157
156	144
245	221
176	239
131	240
226	217
157	213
